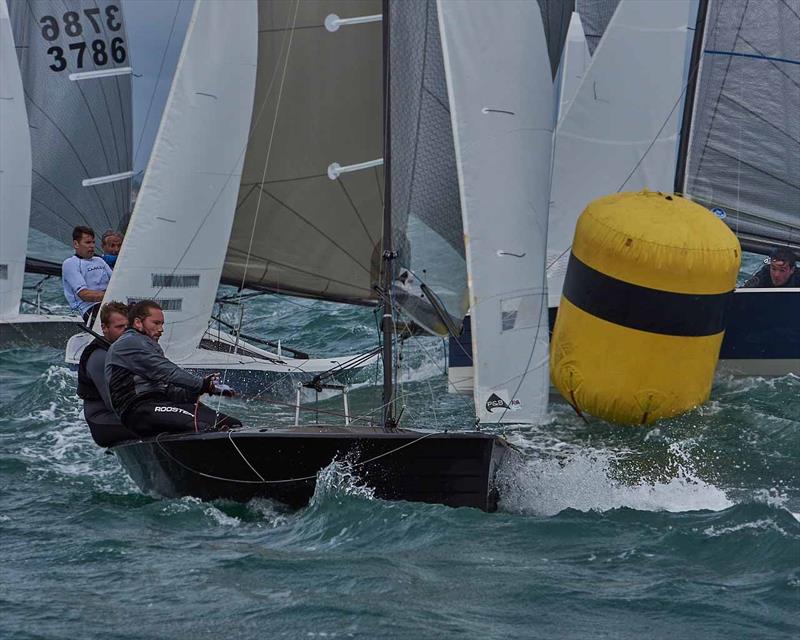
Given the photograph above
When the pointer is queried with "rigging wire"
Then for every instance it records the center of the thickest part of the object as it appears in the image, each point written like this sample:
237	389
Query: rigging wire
158	81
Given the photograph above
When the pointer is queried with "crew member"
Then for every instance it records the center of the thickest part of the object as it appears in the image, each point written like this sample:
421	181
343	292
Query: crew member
105	426
110	243
150	393
781	271
85	276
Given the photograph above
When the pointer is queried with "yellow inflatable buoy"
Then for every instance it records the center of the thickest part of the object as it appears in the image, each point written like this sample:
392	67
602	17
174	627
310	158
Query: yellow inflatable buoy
641	319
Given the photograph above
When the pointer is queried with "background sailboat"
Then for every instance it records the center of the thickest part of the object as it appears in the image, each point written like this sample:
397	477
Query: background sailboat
75	71
718	122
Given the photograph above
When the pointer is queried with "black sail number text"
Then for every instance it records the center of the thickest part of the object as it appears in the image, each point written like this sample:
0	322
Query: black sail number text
88	22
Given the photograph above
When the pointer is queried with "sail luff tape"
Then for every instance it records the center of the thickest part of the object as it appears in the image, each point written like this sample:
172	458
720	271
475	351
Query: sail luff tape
91	182
636	307
101	73
333	22
335	169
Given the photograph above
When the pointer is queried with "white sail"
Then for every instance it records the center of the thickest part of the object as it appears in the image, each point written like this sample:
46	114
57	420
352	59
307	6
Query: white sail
603	144
502	126
574	63
15	172
178	235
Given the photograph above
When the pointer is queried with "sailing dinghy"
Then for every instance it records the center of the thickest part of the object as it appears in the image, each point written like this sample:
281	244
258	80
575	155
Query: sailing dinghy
198	202
429	97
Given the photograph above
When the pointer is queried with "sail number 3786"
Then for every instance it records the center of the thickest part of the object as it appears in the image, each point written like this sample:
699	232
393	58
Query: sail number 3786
72	27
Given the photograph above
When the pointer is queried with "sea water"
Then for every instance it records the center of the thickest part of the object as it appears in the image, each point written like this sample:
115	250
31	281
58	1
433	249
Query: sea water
686	529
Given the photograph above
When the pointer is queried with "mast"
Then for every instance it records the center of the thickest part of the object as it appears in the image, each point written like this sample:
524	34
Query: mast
387	324
691	89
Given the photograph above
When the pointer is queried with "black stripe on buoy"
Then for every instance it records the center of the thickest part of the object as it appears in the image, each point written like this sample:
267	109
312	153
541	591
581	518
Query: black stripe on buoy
636	307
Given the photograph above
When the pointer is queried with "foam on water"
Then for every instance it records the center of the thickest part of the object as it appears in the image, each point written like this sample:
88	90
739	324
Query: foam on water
585	481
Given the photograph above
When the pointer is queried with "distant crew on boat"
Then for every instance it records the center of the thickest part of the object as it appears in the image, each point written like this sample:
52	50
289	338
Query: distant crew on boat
111	243
780	271
151	394
85	276
104	424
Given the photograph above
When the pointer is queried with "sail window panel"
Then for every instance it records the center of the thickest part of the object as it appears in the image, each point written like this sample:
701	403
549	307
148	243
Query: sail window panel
521	312
3	272
166	304
79	130
175	280
431	282
296	230
744	156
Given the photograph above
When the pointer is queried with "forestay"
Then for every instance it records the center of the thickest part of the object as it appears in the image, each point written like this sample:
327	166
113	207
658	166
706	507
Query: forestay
744	154
75	66
15	172
502	125
430	282
317	103
175	246
620	132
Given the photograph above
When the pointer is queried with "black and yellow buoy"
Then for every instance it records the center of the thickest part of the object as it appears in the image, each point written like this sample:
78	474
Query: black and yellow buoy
641	318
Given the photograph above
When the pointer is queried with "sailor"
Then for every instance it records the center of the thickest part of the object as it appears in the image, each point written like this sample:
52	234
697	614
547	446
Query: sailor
110	243
105	426
151	394
781	271
85	276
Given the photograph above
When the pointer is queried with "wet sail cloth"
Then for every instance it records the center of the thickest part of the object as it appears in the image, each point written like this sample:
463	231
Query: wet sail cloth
76	72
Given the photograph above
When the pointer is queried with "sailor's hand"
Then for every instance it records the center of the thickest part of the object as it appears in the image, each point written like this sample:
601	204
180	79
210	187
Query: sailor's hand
224	390
209	383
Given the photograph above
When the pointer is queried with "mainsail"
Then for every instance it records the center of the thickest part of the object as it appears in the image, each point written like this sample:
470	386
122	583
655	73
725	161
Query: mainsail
75	67
502	125
430	282
317	104
15	172
744	153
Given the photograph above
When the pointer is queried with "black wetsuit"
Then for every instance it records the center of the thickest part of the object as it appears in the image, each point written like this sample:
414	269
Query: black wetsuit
153	395
762	280
105	426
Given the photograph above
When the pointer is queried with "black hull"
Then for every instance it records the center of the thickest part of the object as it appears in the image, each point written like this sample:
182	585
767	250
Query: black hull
456	469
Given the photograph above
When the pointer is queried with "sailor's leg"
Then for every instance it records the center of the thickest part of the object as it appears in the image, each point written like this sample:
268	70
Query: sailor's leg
152	417
105	427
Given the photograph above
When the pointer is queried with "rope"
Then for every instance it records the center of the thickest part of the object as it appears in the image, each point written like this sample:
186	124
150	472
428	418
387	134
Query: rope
285	480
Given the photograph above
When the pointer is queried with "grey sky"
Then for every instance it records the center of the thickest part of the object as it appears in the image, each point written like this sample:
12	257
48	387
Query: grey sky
148	24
